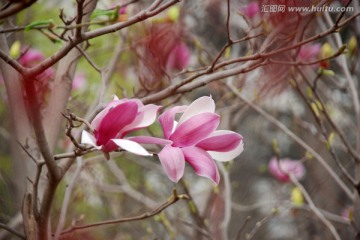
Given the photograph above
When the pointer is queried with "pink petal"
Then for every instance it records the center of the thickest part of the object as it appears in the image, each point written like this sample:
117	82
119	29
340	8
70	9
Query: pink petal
79	81
110	146
251	10
281	168
131	146
31	57
179	57
202	163
309	52
200	105
98	118
221	141
167	119
227	156
150	140
275	170
114	121
145	117
173	162
195	129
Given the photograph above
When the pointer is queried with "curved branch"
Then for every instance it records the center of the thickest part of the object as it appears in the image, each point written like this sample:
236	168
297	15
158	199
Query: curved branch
173	199
294	137
14	8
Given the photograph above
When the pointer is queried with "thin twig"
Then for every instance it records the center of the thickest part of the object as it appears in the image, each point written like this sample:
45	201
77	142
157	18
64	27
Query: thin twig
315	210
303	144
173	199
323	130
243	225
258	225
194	210
88	59
13	231
227	201
15	7
66	200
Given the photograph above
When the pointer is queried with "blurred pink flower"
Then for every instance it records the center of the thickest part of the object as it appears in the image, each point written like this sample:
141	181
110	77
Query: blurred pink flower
31	57
79	81
161	52
309	52
122	10
194	140
251	10
179	57
115	121
280	169
347	213
43	83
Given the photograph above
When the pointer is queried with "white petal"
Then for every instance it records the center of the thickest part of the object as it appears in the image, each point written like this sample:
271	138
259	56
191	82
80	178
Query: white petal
200	105
174	126
131	146
227	156
87	138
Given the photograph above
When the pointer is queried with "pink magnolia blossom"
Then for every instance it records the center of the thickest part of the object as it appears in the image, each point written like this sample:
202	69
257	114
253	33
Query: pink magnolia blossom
115	121
309	52
280	169
43	83
179	57
32	57
194	139
79	81
251	10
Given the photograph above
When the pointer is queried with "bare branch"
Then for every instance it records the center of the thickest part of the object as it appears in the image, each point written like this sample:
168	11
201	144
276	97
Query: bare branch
15	7
173	199
13	231
315	210
303	144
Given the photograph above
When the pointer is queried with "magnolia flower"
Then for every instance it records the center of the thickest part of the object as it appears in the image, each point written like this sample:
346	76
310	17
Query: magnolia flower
44	81
194	139
115	121
79	81
280	169
161	52
179	57
32	57
251	10
309	52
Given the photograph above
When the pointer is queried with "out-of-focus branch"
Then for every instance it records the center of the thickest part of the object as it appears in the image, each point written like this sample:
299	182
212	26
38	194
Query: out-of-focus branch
126	188
13	231
64	76
288	132
139	17
194	210
34	112
208	76
227	201
14	223
302	63
15	7
202	79
67	199
173	199
322	126
314	209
